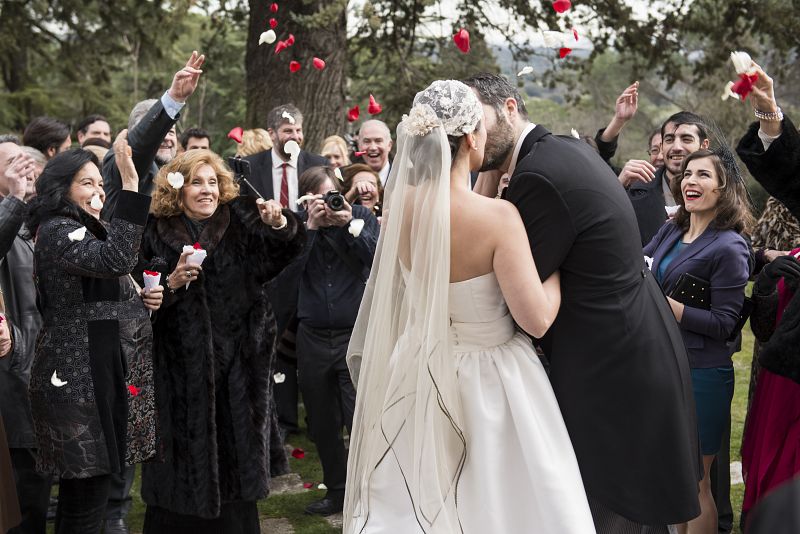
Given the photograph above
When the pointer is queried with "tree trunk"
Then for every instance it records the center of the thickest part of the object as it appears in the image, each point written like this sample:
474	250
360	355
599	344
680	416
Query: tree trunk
320	95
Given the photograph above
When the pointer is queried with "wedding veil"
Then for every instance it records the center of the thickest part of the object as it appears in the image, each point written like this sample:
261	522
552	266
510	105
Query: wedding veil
408	409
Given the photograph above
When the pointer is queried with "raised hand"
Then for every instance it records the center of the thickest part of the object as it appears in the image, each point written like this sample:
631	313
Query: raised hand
6	343
21	170
762	97
185	80
270	212
184	272
637	169
123	157
627	103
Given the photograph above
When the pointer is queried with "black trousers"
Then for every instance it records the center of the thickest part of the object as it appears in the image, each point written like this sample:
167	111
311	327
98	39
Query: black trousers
82	504
119	494
329	398
33	491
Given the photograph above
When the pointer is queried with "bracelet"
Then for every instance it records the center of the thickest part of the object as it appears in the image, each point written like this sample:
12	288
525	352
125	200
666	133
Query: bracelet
284	222
769	116
172	291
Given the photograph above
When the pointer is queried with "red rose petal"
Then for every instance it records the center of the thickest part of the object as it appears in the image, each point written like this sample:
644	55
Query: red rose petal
575	33
374	108
319	64
236	134
564	52
134	391
281	45
2	319
290	40
273	23
308	485
461	38
744	85
151	273
298	453
273	7
561	5
294	66
358	154
352	114
198	246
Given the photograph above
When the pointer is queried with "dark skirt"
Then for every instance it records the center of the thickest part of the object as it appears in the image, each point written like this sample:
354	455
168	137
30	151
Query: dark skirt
713	393
238	517
9	505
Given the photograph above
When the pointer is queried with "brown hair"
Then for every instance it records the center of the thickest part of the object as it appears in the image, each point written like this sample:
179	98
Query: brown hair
168	201
350	172
733	209
312	178
254	141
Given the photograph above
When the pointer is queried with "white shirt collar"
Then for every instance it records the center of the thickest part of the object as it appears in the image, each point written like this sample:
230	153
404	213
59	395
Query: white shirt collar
277	162
384	172
513	165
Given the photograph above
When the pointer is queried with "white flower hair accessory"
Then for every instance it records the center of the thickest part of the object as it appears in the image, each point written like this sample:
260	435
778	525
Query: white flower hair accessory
175	179
448	103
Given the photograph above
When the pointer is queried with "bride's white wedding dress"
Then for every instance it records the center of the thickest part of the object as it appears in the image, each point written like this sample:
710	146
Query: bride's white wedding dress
520	473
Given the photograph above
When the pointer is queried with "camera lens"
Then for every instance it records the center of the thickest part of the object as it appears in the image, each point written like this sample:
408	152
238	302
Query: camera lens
335	201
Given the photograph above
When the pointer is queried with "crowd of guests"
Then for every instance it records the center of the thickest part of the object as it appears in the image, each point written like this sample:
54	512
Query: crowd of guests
161	309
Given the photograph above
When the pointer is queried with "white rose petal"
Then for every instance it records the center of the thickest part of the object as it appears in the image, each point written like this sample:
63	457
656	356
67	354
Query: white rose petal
175	179
671	210
279	378
292	148
288	116
338	173
306	198
649	261
96	203
575	133
525	70
77	235
742	62
57	382
322	487
267	37
356	225
728	92
554	39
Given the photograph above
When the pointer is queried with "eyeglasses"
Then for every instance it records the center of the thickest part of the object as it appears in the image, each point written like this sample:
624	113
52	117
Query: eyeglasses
654	151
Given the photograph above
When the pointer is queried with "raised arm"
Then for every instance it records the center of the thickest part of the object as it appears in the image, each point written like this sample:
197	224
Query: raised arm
533	304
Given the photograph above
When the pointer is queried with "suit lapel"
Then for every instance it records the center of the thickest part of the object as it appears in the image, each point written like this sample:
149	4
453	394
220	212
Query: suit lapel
694	248
531	139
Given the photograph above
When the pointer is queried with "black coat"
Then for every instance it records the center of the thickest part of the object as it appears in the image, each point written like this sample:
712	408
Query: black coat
647	199
778	170
618	366
96	337
214	352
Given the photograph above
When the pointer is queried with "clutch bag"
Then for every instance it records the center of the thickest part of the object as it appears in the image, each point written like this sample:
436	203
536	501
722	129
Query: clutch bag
692	291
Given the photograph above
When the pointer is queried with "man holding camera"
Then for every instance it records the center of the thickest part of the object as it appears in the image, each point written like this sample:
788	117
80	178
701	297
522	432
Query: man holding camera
332	272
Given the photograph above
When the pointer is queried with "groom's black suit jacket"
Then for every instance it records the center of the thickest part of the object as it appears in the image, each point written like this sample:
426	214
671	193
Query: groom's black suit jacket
618	365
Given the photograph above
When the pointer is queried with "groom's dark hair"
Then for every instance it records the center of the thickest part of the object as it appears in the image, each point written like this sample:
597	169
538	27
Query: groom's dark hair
493	90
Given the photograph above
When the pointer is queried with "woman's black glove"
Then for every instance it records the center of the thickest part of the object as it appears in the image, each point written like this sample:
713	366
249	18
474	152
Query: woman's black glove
787	267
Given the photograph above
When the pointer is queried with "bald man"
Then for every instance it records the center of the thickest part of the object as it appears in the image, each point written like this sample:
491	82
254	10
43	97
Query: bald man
375	141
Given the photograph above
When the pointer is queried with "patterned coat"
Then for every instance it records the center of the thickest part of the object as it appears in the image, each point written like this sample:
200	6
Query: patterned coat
96	341
214	355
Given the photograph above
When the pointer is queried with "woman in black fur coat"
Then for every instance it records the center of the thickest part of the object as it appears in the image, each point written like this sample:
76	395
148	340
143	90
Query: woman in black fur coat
214	347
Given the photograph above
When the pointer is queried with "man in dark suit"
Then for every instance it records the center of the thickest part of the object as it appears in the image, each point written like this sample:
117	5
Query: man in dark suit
617	362
648	187
274	174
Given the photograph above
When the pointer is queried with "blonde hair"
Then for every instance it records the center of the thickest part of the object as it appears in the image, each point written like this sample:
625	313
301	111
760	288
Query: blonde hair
254	141
168	201
339	144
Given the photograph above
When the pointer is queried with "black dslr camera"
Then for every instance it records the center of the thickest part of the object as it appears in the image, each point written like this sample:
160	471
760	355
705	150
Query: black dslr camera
335	200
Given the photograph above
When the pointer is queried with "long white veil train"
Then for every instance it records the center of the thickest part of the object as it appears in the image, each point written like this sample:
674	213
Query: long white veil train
408	409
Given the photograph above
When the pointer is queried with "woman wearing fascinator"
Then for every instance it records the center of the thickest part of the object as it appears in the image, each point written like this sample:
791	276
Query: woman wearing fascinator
702	261
456	425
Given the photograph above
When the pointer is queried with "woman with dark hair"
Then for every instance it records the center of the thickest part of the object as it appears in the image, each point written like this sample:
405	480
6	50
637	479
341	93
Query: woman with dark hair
363	186
48	135
91	382
704	240
214	347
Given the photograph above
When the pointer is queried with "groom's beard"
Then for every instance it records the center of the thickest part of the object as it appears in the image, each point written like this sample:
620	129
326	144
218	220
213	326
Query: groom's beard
499	144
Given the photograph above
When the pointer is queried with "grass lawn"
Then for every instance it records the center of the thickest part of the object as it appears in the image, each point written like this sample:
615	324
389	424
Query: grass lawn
290	506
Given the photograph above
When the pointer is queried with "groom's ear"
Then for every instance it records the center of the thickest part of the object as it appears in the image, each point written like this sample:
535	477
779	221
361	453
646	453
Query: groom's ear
511	106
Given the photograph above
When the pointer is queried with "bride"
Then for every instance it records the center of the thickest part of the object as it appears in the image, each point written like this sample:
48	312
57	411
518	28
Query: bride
456	427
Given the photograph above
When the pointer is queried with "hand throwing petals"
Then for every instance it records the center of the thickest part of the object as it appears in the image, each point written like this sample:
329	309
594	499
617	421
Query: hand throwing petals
356	225
352	114
236	134
57	382
267	37
175	179
77	235
374	108
561	6
461	38
525	70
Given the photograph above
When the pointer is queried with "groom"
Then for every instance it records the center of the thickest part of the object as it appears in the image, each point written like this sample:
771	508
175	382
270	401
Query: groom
617	361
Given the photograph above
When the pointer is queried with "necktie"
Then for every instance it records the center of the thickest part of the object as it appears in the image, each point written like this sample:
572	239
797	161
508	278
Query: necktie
284	188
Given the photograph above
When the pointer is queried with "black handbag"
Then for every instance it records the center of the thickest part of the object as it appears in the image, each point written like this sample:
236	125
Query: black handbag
692	291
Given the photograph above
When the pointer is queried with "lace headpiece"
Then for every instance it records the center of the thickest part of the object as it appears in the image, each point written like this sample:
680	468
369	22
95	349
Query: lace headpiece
447	103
